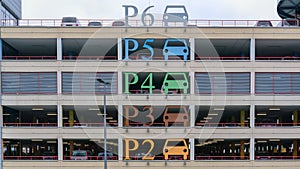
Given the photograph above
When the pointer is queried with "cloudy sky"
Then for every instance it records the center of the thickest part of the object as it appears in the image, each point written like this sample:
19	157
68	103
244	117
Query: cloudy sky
112	9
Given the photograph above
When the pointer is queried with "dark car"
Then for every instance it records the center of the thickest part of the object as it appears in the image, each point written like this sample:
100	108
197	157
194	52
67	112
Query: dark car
109	156
118	23
264	23
175	13
95	24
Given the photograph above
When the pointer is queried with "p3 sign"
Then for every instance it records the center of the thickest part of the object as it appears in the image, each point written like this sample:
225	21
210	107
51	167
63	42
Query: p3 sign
148	48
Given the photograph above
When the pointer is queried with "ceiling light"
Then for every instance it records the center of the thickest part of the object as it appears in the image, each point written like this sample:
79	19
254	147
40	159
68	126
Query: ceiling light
6	114
261	114
65	118
37	109
274	108
51	114
274	139
207	118
36	140
262	141
213	114
93	109
220	108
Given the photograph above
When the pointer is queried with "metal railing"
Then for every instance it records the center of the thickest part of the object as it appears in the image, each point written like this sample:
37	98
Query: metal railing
30	157
157	23
30	124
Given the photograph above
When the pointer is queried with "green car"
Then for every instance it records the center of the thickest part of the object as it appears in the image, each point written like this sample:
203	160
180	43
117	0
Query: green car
175	81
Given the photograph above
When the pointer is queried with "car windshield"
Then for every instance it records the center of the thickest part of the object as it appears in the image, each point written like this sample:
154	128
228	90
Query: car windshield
176	77
79	153
176	143
175	43
175	10
69	19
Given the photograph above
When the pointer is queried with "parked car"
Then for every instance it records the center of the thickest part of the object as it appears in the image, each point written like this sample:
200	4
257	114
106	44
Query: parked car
95	24
109	156
175	13
118	23
264	23
79	155
288	23
70	21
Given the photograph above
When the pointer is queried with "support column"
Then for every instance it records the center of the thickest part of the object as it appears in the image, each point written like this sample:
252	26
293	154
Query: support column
252	116
59	49
120	49
59	82
120	149
192	116
120	115
295	120
242	118
60	148
252	83
1	52
71	118
252	149
242	149
120	84
295	149
192	48
59	116
192	148
192	82
252	49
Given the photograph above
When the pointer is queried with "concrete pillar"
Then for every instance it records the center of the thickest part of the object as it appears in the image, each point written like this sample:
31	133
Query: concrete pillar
252	116
295	120
242	118
252	83
59	49
1	52
242	149
295	149
192	83
59	116
120	149
192	116
192	148
60	148
71	118
120	84
120	49
120	115
192	48
59	82
252	49
252	148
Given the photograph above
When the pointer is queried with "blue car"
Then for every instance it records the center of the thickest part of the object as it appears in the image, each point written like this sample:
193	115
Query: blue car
175	47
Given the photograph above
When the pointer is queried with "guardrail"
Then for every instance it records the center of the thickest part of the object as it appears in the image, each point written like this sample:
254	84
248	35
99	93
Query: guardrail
157	23
30	124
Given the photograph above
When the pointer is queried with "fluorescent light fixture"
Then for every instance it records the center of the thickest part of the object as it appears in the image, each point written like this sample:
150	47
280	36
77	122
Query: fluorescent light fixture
274	108
51	141
109	118
65	118
203	121
207	118
51	114
36	140
6	114
93	109
37	109
274	139
220	108
261	114
113	121
100	114
262	141
213	114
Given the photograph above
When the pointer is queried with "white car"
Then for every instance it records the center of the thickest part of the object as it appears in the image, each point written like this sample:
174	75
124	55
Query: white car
70	21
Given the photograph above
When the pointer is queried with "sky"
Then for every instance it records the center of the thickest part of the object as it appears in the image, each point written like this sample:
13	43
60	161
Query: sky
112	9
